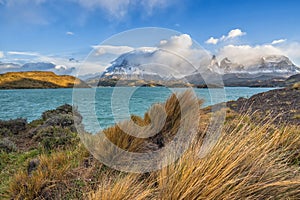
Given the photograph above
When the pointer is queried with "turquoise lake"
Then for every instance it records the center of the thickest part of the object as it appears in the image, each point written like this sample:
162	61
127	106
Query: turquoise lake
31	103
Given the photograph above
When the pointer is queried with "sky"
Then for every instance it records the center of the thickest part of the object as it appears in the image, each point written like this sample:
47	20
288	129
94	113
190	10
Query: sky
64	32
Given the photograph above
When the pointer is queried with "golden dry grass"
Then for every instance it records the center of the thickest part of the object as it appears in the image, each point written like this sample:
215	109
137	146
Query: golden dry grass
52	177
60	81
250	163
162	122
296	86
247	163
126	187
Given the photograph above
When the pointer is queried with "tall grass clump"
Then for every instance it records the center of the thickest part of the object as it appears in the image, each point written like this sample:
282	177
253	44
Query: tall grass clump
251	163
123	187
162	122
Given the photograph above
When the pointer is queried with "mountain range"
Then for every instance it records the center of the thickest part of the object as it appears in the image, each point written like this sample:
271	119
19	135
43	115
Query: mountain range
264	64
265	71
131	69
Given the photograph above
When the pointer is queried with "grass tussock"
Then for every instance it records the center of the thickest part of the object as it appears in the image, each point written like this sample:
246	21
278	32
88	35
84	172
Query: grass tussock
296	86
50	173
123	187
62	174
179	115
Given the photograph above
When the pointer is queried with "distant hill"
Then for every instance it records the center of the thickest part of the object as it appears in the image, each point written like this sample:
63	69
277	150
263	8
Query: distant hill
38	79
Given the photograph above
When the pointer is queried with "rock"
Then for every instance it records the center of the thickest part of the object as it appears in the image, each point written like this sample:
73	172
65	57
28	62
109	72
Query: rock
32	166
7	145
14	125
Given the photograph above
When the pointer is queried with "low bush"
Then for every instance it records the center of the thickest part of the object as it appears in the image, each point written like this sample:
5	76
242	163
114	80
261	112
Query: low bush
14	126
7	145
54	137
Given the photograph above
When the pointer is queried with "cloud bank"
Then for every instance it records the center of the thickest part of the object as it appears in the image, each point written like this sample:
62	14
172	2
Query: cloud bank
178	52
32	61
33	11
247	54
177	55
109	49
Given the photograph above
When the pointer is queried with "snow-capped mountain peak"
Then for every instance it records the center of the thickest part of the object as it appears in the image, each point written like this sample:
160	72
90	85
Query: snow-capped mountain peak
135	65
264	64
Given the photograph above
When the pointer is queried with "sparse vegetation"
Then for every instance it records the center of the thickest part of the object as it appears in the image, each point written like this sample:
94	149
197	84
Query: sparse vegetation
251	160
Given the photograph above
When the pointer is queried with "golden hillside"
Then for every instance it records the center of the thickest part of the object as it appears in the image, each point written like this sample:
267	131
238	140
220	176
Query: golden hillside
38	79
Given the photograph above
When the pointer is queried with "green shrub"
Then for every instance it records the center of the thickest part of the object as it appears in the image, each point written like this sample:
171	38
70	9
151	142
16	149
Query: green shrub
14	125
54	137
5	132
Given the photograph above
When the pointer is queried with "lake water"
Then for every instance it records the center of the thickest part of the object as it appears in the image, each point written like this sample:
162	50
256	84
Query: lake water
31	103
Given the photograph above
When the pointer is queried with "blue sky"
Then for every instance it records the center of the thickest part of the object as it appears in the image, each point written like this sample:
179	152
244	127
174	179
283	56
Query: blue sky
69	28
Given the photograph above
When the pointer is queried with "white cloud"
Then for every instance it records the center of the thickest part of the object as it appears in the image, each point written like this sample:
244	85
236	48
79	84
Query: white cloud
212	40
109	49
235	33
292	50
11	3
116	8
1	54
176	55
278	41
183	41
23	53
231	35
247	54
19	58
119	8
69	33
28	11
